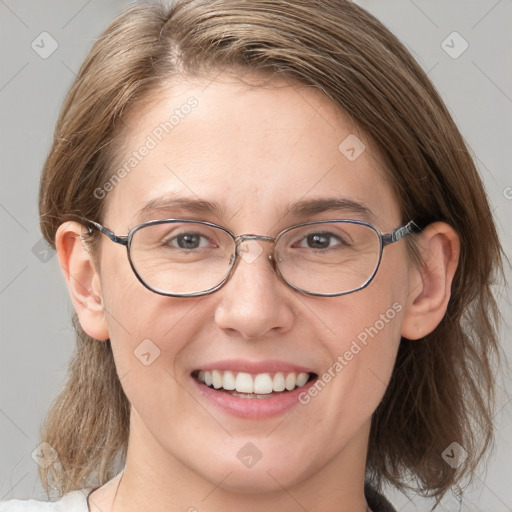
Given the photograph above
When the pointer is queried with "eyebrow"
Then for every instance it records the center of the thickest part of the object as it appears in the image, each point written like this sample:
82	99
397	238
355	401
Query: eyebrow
298	209
168	202
316	206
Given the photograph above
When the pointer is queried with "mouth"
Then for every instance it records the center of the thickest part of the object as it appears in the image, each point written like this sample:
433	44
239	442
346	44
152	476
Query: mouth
247	385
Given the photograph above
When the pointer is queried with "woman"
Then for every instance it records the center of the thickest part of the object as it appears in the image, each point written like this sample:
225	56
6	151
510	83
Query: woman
305	312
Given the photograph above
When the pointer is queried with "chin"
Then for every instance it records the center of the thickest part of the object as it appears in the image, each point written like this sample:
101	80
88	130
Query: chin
263	476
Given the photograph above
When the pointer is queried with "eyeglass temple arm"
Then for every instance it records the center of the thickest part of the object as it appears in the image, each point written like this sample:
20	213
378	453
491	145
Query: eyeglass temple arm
399	233
123	240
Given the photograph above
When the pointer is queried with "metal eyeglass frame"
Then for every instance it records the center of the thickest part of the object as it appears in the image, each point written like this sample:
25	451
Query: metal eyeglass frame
126	240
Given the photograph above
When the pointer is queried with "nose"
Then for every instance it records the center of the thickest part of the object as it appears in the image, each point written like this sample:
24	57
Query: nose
255	301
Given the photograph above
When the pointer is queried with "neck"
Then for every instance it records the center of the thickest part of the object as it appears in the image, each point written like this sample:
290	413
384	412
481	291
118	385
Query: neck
169	485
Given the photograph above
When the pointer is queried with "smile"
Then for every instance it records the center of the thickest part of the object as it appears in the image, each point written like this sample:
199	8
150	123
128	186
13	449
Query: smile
246	385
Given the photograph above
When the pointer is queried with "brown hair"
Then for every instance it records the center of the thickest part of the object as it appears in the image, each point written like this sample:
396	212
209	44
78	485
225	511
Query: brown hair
442	388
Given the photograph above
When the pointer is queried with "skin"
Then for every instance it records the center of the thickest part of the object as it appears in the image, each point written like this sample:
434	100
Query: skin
253	149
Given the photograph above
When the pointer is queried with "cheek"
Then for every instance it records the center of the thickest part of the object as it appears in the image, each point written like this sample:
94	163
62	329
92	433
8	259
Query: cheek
147	330
149	333
353	384
365	336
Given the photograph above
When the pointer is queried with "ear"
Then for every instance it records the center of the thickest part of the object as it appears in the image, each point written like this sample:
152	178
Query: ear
82	279
431	280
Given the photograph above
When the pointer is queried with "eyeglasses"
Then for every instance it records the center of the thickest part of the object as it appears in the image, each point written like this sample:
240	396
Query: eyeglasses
191	258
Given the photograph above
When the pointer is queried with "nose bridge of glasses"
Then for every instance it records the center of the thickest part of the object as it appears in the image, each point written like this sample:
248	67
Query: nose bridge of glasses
251	252
242	238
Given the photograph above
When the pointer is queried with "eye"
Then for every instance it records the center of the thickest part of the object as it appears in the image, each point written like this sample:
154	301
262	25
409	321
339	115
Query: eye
188	241
320	240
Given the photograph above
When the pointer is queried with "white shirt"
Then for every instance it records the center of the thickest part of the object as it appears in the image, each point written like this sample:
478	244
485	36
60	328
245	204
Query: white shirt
74	501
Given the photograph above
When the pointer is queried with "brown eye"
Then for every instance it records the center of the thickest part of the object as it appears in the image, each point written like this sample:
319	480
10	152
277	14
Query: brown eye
321	240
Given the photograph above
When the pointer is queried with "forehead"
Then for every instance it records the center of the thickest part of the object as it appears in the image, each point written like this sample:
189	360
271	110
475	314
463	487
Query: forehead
252	150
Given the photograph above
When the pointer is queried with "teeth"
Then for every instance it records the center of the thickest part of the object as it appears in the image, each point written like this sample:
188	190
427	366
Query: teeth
278	384
290	381
260	384
263	383
244	383
228	381
302	378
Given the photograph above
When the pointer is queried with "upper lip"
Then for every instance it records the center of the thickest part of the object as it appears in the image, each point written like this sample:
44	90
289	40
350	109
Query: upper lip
254	367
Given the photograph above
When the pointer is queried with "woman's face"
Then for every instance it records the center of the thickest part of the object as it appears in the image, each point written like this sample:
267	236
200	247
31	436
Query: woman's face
256	152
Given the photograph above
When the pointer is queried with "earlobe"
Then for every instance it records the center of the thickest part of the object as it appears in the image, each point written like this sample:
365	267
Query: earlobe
430	281
82	279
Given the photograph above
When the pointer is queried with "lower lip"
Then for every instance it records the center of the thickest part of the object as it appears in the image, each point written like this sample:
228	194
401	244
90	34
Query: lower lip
253	408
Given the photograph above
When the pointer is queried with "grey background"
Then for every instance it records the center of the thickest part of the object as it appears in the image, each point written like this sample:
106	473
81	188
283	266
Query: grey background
37	339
